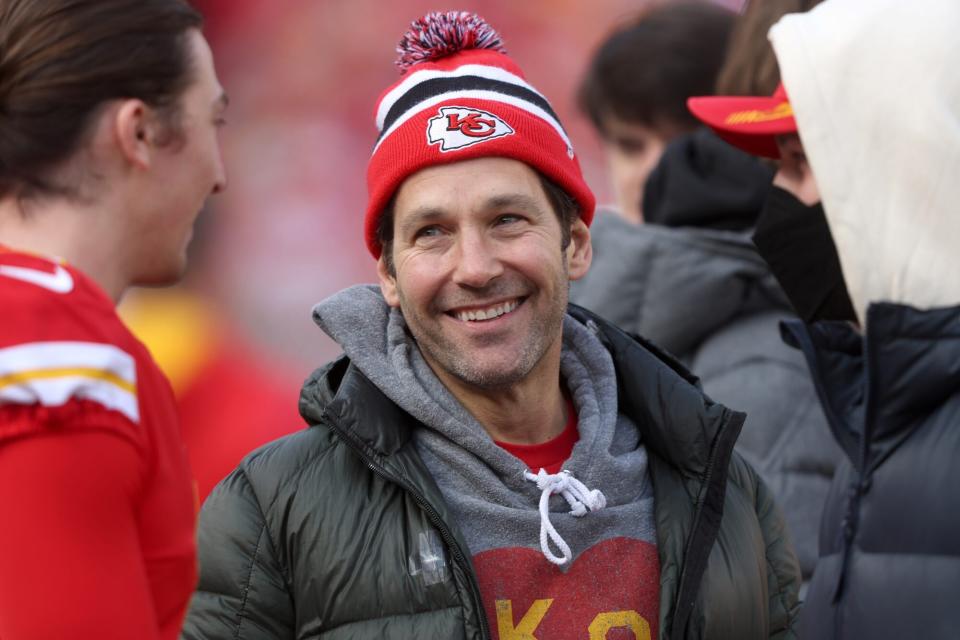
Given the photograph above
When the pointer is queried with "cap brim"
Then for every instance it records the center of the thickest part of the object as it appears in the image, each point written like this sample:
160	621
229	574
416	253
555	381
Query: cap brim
747	122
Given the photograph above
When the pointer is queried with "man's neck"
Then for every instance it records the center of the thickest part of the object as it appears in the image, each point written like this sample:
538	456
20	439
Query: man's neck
530	411
81	236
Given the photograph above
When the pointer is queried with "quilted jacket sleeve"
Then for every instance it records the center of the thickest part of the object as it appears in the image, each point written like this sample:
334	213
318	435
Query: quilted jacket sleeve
783	570
243	591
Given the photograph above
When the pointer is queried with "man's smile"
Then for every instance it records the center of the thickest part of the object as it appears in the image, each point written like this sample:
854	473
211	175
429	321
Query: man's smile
486	313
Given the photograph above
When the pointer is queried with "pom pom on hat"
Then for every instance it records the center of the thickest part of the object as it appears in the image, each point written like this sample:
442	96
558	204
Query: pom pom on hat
441	34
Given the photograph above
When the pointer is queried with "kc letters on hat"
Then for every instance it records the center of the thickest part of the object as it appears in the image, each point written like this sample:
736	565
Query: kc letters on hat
461	97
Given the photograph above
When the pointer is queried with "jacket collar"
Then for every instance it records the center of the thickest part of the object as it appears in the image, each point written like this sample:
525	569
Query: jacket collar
677	421
879	383
339	391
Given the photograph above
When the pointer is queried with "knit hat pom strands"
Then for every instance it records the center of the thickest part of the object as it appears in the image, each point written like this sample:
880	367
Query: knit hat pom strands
461	97
441	34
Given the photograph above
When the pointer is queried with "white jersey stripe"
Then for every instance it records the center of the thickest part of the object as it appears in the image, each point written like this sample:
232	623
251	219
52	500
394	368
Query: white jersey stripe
51	373
480	95
480	70
57	391
33	356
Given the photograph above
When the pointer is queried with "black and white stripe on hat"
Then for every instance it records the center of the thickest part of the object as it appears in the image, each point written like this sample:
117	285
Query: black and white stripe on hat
423	89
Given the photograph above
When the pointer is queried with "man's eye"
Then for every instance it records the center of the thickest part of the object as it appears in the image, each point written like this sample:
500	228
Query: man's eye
427	232
508	218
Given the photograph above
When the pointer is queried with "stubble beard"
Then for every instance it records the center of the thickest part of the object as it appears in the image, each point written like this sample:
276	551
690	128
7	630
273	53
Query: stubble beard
456	360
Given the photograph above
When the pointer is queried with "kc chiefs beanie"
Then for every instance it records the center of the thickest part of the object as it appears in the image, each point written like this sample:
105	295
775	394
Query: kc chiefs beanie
461	97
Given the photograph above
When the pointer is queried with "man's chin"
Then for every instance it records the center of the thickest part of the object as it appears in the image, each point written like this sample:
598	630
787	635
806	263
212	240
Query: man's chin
490	380
162	275
486	372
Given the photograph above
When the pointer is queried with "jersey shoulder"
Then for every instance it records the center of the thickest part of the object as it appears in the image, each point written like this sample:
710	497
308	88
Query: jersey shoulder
65	355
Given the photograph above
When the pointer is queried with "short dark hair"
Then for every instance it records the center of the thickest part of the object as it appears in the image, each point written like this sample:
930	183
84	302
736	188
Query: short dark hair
62	59
644	72
564	206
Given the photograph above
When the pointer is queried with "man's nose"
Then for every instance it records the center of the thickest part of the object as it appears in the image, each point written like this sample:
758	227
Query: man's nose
477	261
220	176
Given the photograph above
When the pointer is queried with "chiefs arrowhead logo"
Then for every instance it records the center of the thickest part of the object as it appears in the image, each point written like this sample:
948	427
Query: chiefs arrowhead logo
458	127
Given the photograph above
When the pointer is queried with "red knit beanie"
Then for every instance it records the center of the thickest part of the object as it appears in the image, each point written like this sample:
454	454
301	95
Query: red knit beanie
461	97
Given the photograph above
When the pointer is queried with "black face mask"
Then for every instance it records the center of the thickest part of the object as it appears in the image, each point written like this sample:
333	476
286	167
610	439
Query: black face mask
795	241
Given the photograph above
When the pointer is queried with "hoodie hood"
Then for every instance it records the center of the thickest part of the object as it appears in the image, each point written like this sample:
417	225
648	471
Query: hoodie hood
675	286
876	95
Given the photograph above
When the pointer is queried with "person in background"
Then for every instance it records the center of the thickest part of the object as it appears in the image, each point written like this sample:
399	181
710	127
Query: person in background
485	461
109	122
636	86
690	280
866	212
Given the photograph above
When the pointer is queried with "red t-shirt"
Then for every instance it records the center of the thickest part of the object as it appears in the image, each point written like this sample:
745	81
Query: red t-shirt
549	455
98	508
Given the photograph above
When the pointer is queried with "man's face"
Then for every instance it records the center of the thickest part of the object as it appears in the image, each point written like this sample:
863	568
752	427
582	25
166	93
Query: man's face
186	171
633	151
480	275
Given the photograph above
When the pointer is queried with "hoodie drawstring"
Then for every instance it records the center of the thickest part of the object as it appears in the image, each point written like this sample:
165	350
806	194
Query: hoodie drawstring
578	496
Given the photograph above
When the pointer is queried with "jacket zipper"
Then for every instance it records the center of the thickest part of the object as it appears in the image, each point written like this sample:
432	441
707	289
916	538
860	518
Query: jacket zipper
432	514
851	520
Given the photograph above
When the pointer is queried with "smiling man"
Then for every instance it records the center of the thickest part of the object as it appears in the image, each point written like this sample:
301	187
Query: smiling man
485	461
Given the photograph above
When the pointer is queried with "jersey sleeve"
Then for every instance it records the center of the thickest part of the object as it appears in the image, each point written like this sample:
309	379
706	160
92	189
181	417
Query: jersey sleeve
69	547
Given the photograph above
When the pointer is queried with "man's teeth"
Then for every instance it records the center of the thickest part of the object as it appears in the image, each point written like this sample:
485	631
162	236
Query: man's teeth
488	314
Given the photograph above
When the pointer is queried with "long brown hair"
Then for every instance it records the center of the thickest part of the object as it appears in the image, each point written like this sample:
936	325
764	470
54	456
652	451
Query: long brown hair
750	68
60	60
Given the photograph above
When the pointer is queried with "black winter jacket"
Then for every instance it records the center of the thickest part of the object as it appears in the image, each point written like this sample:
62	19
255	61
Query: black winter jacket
310	537
889	562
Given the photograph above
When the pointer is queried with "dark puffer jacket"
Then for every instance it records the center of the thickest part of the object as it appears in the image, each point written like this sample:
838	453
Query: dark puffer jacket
312	536
889	563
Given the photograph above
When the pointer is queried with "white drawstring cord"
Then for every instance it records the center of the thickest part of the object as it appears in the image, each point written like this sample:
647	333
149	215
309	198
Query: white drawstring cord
578	496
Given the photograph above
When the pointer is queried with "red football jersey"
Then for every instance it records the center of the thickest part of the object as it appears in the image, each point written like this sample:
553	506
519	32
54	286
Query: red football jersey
97	503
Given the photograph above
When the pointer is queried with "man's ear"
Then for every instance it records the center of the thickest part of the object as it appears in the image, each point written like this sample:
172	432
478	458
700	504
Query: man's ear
134	129
579	251
388	283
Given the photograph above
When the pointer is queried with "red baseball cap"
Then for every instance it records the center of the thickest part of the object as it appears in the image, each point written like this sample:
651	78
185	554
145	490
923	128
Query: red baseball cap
751	123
